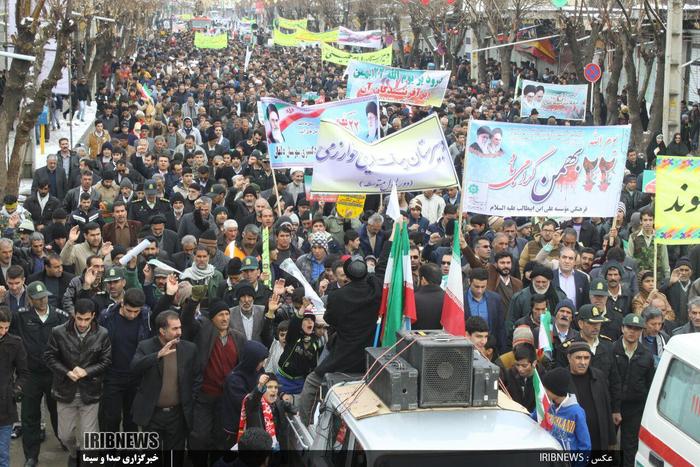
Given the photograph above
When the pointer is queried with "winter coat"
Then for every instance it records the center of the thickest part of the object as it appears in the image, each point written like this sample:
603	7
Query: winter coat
13	376
569	425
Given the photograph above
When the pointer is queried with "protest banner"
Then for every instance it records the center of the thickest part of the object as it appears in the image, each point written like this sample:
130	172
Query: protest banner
304	35
312	197
369	39
649	181
416	87
415	158
350	206
677	203
561	101
246	62
206	41
292	24
534	170
284	40
341	57
291	131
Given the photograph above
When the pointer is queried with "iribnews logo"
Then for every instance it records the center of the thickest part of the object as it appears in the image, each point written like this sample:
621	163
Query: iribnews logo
126	440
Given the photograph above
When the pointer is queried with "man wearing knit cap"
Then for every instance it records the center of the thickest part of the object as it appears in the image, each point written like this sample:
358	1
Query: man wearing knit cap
568	417
311	264
679	290
250	319
219	348
563	329
592	394
635	364
520	306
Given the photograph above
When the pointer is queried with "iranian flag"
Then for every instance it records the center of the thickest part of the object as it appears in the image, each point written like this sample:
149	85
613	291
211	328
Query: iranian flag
452	319
544	339
542	403
398	308
144	92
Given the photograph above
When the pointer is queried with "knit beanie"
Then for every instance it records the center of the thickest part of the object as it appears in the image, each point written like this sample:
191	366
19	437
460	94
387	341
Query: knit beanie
217	307
557	381
523	335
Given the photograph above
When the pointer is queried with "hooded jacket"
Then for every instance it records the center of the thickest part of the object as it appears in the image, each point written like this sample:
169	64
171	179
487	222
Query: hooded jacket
240	382
569	425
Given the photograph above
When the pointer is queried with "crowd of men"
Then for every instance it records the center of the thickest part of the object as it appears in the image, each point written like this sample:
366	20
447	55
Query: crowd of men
192	340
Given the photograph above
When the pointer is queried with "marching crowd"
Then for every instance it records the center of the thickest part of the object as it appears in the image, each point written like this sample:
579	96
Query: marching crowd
197	339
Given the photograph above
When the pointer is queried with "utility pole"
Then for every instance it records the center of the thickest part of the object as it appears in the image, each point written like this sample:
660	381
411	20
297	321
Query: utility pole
672	69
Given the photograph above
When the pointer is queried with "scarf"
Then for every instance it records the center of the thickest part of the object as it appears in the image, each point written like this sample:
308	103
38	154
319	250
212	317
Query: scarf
197	274
268	419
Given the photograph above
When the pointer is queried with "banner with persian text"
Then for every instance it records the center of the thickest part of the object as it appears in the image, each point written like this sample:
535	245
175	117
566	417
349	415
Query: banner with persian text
341	57
369	39
537	170
561	101
677	203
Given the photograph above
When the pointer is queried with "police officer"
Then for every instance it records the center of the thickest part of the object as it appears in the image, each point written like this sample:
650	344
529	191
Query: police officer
590	319
600	297
635	365
34	326
114	282
151	205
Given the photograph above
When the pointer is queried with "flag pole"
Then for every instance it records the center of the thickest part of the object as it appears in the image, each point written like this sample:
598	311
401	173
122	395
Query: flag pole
277	193
464	180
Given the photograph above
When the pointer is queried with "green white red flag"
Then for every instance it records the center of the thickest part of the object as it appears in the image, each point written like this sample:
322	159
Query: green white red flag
452	318
542	403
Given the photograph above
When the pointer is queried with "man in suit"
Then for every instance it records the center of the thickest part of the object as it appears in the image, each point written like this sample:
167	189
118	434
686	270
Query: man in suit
167	240
121	231
41	204
429	298
72	199
250	319
372	237
54	174
170	379
486	304
573	283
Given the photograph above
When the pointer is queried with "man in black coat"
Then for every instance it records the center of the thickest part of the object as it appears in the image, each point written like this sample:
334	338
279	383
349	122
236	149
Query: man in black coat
589	385
54	174
429	298
78	353
42	215
636	373
352	313
13	377
163	363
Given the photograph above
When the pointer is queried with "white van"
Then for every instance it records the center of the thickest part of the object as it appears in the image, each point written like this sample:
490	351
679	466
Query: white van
670	431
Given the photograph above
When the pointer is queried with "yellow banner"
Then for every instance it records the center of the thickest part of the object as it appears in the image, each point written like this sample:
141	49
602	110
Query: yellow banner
206	41
341	57
291	23
676	206
350	206
308	36
284	40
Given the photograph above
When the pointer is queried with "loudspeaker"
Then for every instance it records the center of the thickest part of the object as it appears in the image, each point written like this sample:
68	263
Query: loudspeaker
395	383
444	364
485	383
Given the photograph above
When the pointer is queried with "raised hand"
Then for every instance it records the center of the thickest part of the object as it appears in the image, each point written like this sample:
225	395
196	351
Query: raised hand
74	234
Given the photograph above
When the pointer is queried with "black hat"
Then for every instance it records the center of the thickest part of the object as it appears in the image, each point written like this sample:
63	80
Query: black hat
244	288
60	213
557	381
217	307
683	261
249	190
108	175
355	268
591	314
539	270
234	267
177	197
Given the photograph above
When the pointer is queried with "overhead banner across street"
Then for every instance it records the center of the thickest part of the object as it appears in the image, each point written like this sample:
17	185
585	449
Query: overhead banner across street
561	101
206	41
291	131
534	170
415	87
415	158
341	57
677	203
292	24
369	39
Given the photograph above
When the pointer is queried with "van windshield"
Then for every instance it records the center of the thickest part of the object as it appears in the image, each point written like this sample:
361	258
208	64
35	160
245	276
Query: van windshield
679	399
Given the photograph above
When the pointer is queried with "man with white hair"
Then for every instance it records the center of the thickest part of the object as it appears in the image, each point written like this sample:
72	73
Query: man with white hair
372	237
228	234
199	220
296	188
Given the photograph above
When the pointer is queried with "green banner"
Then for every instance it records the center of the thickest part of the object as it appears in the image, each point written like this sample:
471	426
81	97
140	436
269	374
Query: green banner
341	57
206	41
284	40
292	24
266	257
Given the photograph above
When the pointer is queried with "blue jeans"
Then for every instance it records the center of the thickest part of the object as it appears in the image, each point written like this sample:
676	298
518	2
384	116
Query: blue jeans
5	432
81	111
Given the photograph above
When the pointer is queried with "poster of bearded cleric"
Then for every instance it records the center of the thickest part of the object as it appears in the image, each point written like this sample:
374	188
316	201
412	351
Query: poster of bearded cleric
561	101
537	170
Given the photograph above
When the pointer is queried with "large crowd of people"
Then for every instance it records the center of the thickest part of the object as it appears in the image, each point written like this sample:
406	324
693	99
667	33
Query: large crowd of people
197	339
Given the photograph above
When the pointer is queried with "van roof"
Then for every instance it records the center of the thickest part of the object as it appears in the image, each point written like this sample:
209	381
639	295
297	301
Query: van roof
453	428
685	347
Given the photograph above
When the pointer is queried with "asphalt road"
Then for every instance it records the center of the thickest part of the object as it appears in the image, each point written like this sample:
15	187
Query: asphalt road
51	454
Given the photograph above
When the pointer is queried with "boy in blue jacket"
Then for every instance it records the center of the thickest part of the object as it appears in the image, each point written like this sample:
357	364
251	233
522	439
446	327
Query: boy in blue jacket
567	416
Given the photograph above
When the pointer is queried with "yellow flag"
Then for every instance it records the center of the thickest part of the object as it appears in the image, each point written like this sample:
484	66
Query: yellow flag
350	206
